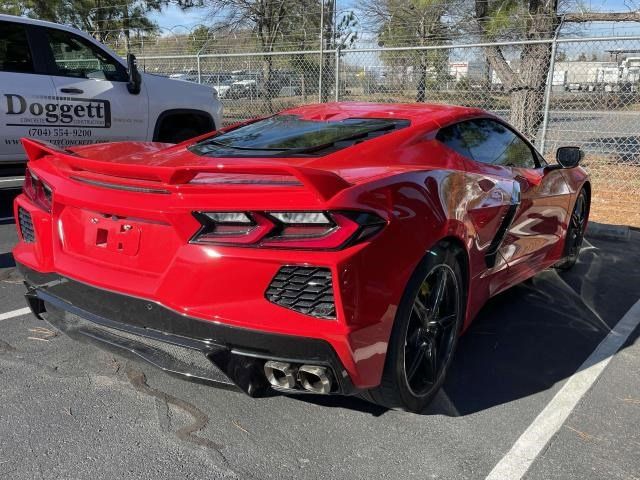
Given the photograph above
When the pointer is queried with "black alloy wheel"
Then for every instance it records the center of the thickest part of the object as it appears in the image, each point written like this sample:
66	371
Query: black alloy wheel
425	332
431	331
575	231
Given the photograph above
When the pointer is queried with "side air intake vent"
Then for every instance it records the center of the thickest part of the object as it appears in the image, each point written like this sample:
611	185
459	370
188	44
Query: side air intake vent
307	290
26	226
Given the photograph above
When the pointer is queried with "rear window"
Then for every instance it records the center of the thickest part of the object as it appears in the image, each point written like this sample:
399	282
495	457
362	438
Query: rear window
289	135
15	55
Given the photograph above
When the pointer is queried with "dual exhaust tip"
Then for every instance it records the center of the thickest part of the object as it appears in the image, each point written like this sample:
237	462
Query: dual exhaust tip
312	378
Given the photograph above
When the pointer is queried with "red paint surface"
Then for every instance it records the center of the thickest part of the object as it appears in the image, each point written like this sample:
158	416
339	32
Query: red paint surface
423	190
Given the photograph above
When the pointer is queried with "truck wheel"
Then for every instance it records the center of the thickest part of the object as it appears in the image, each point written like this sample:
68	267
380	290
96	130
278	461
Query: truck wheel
181	135
178	126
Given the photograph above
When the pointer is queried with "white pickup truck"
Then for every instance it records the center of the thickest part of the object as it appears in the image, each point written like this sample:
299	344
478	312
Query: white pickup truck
60	85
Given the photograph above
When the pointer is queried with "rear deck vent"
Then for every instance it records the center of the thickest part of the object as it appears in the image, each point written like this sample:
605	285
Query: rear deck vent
26	225
307	290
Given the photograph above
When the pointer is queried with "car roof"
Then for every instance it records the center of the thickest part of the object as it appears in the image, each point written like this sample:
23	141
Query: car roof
416	113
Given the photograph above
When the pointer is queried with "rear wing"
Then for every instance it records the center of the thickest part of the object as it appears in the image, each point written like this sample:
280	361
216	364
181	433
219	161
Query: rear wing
324	184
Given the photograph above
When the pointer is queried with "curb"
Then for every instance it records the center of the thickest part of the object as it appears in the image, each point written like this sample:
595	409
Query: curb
620	233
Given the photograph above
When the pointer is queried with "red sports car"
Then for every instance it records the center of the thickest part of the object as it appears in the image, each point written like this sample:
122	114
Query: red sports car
333	249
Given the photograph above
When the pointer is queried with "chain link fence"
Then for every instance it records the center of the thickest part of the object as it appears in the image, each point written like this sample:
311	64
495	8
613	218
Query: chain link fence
590	97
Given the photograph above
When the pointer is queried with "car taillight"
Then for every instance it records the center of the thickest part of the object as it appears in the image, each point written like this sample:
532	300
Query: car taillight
238	228
306	230
37	191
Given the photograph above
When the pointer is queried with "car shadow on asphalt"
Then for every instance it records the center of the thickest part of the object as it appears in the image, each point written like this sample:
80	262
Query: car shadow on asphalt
6	260
534	335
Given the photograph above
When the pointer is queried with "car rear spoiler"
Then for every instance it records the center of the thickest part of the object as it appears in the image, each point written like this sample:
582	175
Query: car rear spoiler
325	184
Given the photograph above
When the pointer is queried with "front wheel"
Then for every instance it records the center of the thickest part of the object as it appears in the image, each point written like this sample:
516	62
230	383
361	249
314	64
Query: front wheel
425	333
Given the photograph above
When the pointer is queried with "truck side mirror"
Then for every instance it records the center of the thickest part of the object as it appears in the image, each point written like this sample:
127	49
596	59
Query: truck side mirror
569	157
135	79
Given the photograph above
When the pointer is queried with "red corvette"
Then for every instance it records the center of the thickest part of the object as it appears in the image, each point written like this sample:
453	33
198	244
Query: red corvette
333	249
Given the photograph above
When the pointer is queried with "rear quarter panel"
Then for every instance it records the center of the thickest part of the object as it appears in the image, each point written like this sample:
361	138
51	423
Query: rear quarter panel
422	208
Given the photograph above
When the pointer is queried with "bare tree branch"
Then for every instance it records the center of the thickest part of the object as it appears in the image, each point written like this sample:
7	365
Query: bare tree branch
499	64
493	54
584	17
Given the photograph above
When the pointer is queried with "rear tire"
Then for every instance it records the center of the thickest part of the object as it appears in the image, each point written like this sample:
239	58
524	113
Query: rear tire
425	333
575	231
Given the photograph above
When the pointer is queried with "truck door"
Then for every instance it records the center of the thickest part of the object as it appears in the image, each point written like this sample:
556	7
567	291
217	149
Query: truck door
25	92
91	89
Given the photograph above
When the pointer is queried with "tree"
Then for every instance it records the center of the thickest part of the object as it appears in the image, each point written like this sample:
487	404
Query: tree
267	18
336	35
43	9
272	21
412	23
104	19
528	20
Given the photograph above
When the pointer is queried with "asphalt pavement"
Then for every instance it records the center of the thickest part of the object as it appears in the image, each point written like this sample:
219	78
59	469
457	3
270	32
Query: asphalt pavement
70	410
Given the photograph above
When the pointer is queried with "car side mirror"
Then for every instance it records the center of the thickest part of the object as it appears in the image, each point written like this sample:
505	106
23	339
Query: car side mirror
569	157
135	79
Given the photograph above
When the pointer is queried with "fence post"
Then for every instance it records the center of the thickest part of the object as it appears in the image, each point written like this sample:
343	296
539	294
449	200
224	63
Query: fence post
198	66
337	74
547	98
321	51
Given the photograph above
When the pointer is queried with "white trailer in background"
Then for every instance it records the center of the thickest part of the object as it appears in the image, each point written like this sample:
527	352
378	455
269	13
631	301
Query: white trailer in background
631	70
583	75
597	76
476	71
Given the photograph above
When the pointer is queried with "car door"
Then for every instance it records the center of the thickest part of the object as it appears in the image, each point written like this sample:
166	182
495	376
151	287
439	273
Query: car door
91	89
25	92
535	225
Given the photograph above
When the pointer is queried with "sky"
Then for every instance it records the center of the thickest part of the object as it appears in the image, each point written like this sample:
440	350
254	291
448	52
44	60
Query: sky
174	18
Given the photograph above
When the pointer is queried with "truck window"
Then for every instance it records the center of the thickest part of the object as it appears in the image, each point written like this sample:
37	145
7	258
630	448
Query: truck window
15	55
76	57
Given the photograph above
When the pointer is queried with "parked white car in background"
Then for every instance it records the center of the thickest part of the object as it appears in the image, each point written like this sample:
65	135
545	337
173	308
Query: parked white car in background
60	85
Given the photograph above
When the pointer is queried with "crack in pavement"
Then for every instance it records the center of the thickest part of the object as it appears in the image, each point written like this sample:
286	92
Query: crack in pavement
6	347
138	380
11	276
200	419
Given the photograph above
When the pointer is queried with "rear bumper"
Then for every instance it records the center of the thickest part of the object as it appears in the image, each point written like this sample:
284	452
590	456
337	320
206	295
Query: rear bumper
201	350
217	286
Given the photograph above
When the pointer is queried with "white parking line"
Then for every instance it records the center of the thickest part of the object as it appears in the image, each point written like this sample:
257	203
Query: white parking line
15	313
517	461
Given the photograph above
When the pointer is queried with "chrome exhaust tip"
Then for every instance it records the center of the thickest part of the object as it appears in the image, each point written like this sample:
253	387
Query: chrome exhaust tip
280	374
315	379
